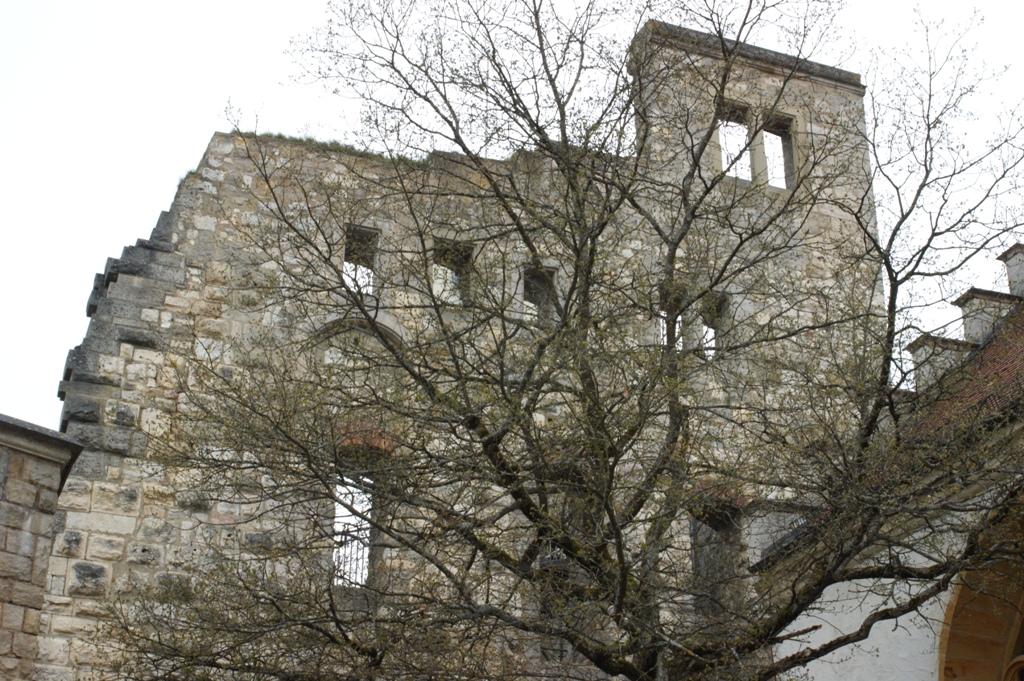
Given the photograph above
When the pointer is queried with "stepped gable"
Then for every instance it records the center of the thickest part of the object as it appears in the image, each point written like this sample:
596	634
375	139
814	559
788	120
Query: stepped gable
164	298
140	279
118	385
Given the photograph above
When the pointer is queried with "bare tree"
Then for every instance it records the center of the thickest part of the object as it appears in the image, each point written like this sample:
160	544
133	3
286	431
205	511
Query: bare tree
628	401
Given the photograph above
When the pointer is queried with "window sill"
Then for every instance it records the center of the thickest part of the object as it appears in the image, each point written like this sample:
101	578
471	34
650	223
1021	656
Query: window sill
353	599
740	182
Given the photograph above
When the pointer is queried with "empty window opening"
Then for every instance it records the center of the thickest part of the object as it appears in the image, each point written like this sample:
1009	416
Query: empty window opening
450	284
778	152
763	153
734	140
360	259
539	296
352	509
676	338
715	549
714	308
708	341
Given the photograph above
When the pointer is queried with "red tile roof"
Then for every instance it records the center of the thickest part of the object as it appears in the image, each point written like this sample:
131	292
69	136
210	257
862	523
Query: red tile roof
982	392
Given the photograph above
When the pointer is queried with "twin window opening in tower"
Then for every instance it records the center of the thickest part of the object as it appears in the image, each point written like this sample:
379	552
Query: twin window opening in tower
708	336
756	154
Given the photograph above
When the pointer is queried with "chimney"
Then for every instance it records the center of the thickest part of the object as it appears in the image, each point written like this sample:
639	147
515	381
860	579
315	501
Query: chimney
1013	260
982	310
935	355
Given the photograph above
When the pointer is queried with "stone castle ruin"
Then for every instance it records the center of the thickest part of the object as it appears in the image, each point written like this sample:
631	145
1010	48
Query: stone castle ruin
281	255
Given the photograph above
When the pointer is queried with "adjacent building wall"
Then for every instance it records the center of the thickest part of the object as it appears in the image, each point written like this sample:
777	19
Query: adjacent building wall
32	463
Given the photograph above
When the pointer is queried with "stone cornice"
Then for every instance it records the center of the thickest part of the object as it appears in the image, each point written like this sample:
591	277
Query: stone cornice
39	442
711	45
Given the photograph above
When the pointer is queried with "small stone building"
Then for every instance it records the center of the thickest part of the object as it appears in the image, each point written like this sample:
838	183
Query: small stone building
34	463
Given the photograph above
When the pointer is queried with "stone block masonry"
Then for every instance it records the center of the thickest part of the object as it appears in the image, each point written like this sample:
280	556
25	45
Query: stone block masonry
33	465
118	515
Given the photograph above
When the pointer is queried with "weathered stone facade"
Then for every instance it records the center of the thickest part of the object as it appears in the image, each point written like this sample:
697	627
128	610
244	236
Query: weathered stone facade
187	292
33	464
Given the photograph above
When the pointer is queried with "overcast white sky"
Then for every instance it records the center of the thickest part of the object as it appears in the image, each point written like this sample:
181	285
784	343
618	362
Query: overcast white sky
106	105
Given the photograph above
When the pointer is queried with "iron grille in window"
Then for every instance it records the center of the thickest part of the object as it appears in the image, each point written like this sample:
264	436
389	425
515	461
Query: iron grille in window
352	507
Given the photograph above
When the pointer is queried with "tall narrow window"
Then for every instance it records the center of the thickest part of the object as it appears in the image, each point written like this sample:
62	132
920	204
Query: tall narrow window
778	152
734	140
715	548
708	341
451	272
360	259
352	507
539	296
713	316
555	606
677	338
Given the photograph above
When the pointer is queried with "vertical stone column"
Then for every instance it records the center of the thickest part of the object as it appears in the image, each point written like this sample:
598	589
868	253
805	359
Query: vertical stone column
32	462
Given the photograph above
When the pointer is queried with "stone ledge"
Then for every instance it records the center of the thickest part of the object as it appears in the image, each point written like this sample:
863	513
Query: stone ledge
711	46
39	442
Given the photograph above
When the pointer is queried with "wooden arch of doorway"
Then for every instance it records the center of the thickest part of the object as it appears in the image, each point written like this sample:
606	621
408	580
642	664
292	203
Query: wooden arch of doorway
982	638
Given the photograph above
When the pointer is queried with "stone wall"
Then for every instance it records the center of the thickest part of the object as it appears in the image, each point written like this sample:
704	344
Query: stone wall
32	461
177	294
114	508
